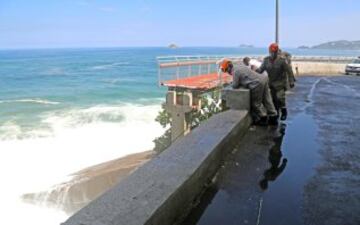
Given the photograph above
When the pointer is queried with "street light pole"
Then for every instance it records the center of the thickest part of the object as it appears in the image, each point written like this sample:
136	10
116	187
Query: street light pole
277	22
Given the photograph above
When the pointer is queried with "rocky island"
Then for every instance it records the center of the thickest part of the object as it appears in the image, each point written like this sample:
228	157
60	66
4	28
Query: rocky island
173	46
246	46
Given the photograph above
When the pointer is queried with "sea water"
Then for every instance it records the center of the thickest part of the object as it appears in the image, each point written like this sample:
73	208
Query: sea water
62	110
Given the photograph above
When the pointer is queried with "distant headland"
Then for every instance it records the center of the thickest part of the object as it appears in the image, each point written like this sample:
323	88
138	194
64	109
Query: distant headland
336	45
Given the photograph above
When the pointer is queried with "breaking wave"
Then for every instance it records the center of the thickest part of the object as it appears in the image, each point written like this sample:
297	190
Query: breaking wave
75	139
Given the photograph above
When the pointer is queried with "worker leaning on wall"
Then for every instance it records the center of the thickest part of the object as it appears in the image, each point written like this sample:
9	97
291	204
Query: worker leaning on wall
262	108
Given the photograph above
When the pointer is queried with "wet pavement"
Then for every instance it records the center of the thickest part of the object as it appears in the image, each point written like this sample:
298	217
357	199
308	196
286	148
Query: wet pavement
306	171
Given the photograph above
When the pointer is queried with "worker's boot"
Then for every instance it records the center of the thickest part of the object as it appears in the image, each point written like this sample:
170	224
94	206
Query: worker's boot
273	120
283	114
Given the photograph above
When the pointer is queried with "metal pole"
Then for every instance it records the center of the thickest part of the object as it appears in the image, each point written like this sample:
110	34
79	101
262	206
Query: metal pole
277	22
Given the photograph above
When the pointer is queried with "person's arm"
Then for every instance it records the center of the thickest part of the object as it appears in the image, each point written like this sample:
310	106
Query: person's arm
290	75
236	80
262	67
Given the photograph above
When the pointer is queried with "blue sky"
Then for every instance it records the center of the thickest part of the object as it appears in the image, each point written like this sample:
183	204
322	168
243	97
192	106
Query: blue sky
95	23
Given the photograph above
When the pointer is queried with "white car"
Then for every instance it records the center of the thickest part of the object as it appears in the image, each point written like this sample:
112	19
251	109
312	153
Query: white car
353	68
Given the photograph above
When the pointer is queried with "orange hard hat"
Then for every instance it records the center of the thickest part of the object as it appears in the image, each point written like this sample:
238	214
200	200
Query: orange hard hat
274	47
225	64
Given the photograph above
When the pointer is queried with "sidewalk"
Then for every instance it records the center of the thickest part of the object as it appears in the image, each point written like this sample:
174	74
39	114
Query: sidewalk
306	171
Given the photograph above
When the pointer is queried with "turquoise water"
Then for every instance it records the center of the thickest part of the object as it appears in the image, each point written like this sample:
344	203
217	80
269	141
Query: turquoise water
34	82
62	110
38	81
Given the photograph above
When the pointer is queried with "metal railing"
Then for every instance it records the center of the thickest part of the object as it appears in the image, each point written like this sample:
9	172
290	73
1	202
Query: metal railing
177	67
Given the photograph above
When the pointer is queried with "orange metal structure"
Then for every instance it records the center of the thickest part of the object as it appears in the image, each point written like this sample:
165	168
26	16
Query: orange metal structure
194	73
199	82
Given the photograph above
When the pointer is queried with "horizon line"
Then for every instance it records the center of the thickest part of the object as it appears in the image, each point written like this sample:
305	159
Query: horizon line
164	47
113	47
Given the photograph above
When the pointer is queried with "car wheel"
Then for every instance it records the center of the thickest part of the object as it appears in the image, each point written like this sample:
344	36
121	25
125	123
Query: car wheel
347	73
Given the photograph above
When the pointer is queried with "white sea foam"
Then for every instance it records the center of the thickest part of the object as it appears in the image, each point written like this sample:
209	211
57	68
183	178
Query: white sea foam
9	130
118	80
55	71
110	65
79	138
37	101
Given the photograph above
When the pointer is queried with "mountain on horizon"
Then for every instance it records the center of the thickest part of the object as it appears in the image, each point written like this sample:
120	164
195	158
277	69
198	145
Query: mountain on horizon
339	45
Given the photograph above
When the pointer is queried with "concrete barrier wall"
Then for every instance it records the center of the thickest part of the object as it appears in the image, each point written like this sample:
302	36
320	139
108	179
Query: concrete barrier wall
237	99
160	191
319	68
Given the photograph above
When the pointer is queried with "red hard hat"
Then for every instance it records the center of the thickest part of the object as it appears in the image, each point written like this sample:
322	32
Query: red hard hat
225	64
274	47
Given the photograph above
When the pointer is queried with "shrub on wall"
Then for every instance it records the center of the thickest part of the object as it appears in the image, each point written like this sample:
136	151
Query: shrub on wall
210	105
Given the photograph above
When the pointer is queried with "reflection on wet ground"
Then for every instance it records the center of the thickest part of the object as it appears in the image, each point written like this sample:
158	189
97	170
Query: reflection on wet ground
275	156
273	175
283	200
263	182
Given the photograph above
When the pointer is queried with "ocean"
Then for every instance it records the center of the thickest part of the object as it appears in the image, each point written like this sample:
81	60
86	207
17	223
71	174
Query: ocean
62	110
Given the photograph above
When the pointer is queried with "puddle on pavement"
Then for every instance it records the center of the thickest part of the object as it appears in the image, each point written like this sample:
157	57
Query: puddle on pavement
291	162
282	200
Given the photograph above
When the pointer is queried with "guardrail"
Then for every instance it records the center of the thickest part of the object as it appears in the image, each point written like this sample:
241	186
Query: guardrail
177	67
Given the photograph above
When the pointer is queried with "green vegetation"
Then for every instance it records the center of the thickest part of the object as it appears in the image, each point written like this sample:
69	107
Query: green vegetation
210	105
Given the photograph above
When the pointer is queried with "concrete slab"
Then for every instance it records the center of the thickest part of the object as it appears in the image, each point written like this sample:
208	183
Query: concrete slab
160	191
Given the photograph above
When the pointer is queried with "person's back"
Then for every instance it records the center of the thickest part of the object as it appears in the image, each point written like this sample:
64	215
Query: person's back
245	77
261	102
290	74
262	107
277	71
